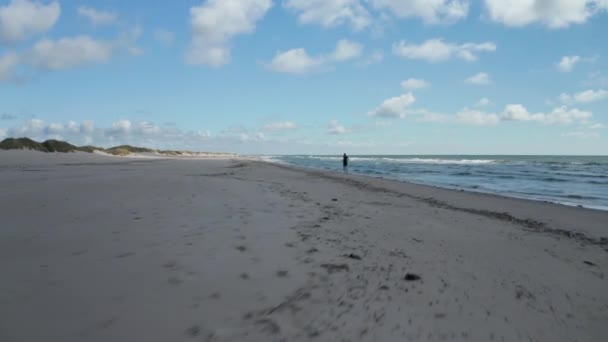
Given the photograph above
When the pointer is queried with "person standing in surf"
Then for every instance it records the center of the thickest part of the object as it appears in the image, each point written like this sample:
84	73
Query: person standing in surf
345	163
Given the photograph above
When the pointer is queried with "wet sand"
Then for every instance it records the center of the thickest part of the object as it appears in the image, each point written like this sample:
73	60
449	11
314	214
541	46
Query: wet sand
99	248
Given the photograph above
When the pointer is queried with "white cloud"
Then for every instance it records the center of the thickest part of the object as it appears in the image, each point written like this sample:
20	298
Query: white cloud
54	128
216	22
430	11
596	79
164	37
97	17
146	128
483	102
30	128
552	13
68	52
394	107
567	63
481	78
424	115
280	126
87	127
121	127
346	50
513	112
72	127
20	19
476	117
298	61
64	53
3	133
565	115
596	126
436	50
329	13
145	134
586	96
566	98
517	112
582	135
591	95
559	115
414	84
8	63
295	61
335	128
123	131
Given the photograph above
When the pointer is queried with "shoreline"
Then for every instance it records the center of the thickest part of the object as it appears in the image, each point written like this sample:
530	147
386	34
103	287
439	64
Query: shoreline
494	205
447	187
227	250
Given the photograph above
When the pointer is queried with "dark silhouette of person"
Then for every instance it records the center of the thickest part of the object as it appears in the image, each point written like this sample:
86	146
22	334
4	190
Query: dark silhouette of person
345	163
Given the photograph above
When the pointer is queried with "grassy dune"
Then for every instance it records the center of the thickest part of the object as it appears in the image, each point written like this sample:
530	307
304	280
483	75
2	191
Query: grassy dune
65	147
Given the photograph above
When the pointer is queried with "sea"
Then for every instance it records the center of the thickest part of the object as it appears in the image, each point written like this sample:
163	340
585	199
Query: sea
569	180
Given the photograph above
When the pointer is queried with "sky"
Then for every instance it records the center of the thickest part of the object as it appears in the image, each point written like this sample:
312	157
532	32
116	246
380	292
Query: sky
309	76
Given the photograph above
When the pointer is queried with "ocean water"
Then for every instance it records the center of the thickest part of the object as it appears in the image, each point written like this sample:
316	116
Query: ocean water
570	180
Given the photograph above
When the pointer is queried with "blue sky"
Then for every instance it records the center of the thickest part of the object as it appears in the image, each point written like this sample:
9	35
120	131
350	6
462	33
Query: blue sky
309	76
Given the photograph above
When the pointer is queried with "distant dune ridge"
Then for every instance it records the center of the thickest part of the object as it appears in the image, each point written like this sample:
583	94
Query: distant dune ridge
65	147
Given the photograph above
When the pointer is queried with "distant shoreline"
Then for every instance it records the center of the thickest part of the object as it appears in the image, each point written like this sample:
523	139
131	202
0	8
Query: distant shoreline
579	177
455	189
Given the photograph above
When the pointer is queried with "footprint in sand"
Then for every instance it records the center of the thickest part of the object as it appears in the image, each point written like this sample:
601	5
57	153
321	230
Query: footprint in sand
174	280
268	326
333	268
124	255
193	331
170	264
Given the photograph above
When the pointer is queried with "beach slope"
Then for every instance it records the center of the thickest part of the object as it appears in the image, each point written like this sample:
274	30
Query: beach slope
152	249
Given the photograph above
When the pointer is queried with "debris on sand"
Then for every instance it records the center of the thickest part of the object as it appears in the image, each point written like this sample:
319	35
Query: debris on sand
353	256
412	277
333	268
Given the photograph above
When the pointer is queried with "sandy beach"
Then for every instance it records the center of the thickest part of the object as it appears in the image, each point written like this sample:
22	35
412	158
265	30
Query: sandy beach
102	248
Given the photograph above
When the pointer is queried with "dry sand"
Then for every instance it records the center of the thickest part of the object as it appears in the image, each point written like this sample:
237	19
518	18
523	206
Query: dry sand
98	248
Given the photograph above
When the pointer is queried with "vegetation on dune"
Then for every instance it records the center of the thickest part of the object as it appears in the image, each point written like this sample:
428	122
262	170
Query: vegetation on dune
129	149
65	147
118	151
90	149
59	146
22	144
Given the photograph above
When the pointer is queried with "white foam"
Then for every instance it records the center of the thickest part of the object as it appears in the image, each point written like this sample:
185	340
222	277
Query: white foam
404	160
